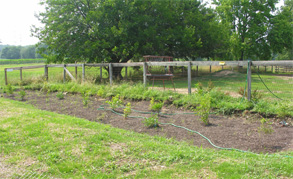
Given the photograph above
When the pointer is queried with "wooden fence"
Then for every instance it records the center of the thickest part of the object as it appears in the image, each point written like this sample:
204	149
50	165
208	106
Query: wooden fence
189	65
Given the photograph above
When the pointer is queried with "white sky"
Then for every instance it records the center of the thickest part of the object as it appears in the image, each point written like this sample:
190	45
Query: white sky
17	17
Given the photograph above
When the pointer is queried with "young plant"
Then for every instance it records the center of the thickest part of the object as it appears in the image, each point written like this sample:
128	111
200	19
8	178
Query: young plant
115	102
9	90
127	110
265	127
203	110
151	121
199	87
22	94
60	95
85	98
155	106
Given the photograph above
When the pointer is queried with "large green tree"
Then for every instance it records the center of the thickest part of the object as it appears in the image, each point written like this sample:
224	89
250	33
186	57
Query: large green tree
250	23
119	30
281	35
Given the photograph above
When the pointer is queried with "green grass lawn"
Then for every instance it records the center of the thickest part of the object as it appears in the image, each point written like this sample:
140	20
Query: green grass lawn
45	144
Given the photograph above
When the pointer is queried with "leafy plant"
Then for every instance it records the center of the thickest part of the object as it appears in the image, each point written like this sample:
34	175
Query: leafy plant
9	90
85	98
210	85
265	127
115	102
282	110
199	88
22	94
127	110
155	106
256	95
203	109
151	121
60	95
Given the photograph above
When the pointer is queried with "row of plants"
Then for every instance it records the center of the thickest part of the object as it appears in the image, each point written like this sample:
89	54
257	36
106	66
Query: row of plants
218	101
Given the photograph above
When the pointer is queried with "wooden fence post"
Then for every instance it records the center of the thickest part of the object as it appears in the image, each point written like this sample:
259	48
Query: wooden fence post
210	68
46	73
64	73
83	72
144	74
20	73
111	73
189	77
196	70
265	68
249	81
272	69
5	71
125	73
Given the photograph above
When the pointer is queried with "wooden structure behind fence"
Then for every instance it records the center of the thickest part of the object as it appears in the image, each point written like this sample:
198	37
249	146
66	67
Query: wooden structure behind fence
189	65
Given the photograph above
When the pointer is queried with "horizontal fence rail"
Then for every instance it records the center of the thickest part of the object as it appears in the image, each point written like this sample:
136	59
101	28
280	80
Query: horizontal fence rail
188	64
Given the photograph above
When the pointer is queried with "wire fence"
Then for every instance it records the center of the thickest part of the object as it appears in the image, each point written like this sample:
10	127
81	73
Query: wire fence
273	82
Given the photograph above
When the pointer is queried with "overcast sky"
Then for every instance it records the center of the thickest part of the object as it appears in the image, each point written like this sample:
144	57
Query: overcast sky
16	19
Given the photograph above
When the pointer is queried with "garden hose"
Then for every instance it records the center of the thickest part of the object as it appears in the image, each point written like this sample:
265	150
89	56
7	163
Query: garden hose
102	107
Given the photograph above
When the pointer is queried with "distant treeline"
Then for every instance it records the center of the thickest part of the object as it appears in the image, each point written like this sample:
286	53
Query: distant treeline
19	52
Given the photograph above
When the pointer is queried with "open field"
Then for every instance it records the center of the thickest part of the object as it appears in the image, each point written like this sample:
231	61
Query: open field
45	144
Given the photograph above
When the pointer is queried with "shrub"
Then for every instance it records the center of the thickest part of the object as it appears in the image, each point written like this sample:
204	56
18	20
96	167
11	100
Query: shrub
155	106
127	110
22	94
203	110
265	127
60	95
115	102
9	90
151	121
85	98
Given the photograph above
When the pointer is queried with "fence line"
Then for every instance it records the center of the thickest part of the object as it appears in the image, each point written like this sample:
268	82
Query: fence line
189	65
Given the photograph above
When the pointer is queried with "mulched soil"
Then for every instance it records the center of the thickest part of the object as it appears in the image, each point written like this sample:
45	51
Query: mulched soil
240	132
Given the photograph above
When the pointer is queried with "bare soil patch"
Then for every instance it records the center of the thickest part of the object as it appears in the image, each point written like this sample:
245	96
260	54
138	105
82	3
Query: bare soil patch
241	132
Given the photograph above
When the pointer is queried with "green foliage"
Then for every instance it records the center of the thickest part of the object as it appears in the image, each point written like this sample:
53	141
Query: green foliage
127	110
265	127
115	102
85	98
9	90
22	94
283	111
151	121
203	109
116	31
249	21
60	95
155	106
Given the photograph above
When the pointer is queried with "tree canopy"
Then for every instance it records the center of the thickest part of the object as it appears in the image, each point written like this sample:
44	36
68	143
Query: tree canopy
119	30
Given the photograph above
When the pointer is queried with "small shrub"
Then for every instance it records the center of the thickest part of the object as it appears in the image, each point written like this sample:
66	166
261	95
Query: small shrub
203	110
256	95
60	95
155	106
115	102
9	90
127	110
282	110
151	121
210	85
22	94
265	127
199	87
85	98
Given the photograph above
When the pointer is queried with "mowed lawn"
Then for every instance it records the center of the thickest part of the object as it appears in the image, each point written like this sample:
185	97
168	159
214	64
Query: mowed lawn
41	144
